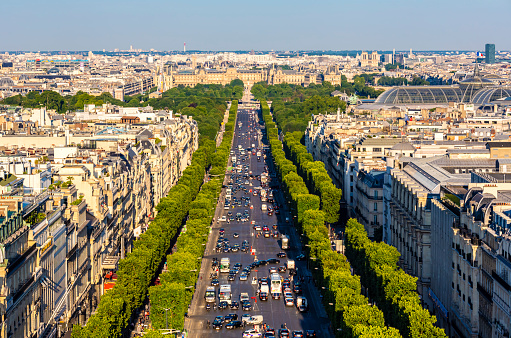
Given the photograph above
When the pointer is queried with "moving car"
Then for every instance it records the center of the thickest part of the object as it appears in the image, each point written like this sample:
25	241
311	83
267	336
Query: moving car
283	333
251	333
217	323
288	299
297	288
270	332
310	334
273	261
300	257
246	305
230	317
236	324
244	297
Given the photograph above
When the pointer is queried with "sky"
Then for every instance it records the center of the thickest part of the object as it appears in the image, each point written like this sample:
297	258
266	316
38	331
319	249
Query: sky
33	25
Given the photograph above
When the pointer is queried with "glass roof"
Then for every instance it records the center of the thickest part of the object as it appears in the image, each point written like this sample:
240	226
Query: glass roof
422	95
488	95
442	95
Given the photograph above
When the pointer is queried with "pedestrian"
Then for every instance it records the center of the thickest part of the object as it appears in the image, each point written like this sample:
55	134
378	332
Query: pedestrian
208	324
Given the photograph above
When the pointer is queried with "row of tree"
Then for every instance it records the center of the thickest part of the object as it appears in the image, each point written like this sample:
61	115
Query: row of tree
315	176
170	300
293	105
348	310
394	291
138	270
293	185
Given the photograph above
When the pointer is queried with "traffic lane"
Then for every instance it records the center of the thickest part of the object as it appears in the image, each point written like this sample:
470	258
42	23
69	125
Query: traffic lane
199	315
269	249
309	291
273	312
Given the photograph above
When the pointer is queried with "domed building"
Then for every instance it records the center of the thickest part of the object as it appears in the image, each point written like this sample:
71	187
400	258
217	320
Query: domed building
6	82
476	89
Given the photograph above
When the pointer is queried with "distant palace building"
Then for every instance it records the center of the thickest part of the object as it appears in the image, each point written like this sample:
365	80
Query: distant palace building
173	77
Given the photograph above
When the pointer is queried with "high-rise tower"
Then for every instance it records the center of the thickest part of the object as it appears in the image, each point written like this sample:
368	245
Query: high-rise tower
489	56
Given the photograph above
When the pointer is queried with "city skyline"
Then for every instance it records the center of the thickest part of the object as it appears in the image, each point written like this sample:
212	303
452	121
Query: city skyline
268	26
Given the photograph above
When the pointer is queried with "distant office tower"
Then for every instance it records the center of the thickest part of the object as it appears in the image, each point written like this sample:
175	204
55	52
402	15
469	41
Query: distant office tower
388	58
489	57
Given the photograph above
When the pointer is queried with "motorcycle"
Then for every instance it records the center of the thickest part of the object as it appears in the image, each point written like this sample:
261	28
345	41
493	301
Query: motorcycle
208	306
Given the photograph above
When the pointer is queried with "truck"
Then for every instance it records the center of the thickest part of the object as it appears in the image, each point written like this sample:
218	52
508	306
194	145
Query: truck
228	193
264	291
264	178
291	267
225	265
225	294
263	195
285	242
276	285
210	295
264	207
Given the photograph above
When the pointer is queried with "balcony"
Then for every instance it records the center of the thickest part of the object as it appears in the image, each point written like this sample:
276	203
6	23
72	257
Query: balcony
373	198
501	281
483	292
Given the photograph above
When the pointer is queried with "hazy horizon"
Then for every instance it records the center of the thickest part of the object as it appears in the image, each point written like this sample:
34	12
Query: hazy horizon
228	25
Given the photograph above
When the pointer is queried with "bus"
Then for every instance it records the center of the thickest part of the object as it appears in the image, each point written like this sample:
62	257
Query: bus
225	293
225	265
210	295
276	285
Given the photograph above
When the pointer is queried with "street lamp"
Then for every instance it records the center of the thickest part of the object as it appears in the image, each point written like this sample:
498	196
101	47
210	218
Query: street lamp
166	318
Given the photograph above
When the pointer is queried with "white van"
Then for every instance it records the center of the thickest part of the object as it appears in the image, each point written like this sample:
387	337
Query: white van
253	320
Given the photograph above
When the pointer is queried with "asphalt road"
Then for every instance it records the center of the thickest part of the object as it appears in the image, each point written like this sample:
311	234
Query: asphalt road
275	312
